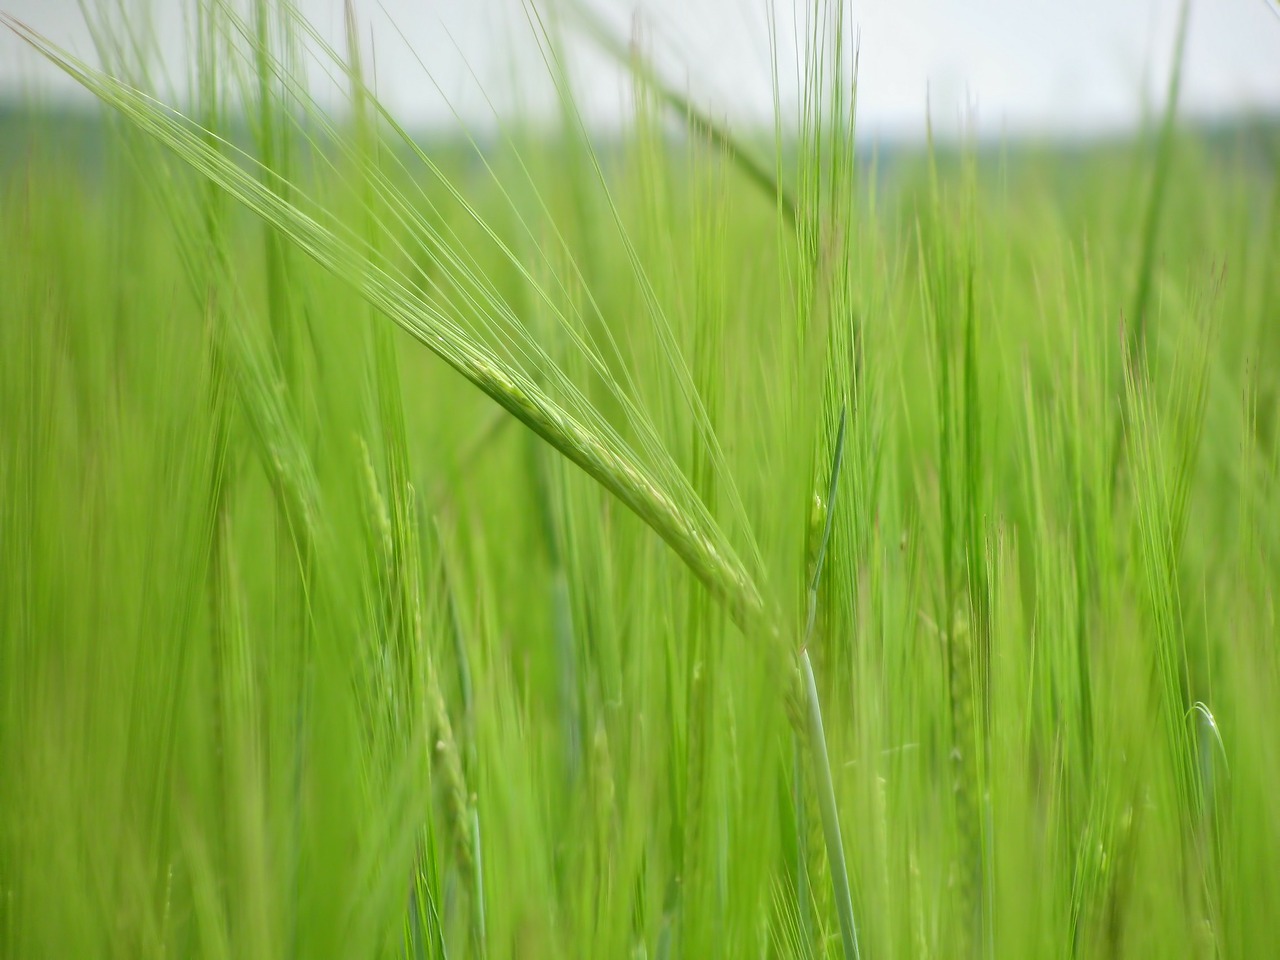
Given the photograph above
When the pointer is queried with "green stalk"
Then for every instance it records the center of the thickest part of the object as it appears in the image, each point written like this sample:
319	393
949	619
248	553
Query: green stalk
830	818
817	736
699	121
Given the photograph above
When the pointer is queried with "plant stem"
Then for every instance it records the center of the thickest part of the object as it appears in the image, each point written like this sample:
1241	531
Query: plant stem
830	820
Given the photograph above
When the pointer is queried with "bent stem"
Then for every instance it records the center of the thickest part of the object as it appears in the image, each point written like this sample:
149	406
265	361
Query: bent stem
581	435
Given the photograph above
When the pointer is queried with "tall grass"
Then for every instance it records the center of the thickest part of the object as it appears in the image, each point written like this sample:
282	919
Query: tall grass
854	576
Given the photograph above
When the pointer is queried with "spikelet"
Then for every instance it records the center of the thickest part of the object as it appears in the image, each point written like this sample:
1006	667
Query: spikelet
448	758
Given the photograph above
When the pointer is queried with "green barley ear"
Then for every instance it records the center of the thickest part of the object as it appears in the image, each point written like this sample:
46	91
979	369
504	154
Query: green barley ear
581	434
446	754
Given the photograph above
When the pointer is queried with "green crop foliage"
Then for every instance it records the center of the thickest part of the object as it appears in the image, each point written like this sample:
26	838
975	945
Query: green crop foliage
677	544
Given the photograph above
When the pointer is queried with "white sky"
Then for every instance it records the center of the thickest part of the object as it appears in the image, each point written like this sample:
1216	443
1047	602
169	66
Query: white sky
1040	65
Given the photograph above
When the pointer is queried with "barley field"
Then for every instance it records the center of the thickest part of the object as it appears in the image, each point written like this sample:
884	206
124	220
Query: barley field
681	543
